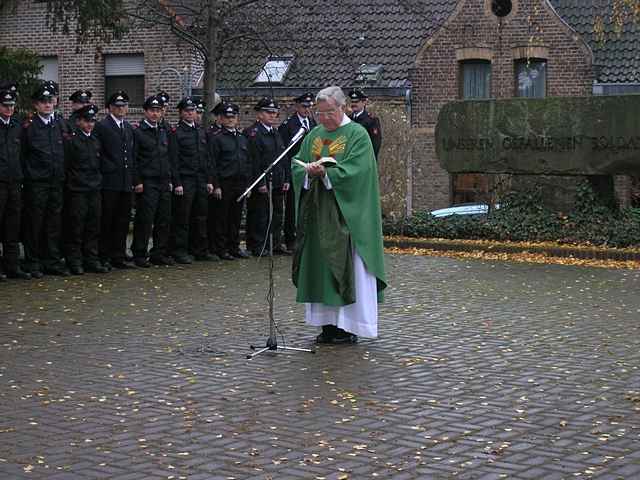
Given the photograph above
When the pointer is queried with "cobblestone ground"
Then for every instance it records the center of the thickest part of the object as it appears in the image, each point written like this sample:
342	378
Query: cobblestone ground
482	371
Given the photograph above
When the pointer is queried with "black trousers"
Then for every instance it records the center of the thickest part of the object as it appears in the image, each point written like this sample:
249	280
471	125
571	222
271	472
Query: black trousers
290	218
153	217
42	225
258	220
10	208
189	228
115	220
226	215
82	227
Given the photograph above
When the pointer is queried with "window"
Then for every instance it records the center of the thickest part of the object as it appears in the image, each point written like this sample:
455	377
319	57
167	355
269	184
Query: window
476	79
274	70
369	73
125	72
49	68
531	78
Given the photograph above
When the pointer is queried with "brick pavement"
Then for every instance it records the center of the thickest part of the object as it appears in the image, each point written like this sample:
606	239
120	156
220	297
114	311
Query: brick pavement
482	371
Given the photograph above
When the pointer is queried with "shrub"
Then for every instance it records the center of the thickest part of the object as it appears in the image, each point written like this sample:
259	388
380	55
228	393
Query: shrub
522	216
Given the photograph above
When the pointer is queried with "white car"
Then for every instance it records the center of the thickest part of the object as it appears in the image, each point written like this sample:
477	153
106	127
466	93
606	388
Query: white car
463	209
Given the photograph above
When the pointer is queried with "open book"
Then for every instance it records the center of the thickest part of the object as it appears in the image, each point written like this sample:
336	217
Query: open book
324	161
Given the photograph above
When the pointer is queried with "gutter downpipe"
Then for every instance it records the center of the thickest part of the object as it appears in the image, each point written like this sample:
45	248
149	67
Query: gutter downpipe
409	195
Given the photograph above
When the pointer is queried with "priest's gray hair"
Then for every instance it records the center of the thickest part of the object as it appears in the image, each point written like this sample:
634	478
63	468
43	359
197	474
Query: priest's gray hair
334	93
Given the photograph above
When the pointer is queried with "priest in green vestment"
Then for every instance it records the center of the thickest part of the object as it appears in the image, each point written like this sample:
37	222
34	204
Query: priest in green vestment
338	265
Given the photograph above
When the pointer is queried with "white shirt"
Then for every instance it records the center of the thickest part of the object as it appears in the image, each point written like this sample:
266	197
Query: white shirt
304	121
192	125
150	124
6	122
46	120
118	122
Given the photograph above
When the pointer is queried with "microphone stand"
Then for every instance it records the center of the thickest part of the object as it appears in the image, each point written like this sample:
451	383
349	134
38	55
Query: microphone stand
272	340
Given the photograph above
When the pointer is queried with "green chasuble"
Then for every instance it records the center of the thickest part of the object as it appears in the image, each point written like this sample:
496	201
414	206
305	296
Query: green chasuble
330	222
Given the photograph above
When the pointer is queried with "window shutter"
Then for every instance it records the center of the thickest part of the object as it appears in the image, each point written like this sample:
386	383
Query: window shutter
123	65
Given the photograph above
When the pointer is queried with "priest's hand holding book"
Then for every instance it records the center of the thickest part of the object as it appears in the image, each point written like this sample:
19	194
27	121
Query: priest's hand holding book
317	168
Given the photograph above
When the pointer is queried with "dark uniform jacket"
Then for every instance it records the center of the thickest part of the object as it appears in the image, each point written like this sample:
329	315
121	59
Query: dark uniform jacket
82	158
118	163
372	125
152	153
229	156
264	148
10	166
189	154
288	130
43	150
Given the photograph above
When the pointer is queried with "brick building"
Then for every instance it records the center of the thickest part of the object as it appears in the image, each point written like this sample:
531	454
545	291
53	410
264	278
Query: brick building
411	57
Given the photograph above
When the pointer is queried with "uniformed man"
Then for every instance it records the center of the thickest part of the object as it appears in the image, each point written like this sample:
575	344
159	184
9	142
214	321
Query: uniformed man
192	185
83	198
10	186
216	123
164	98
79	99
57	114
152	187
230	156
118	168
300	119
265	145
359	114
43	166
200	106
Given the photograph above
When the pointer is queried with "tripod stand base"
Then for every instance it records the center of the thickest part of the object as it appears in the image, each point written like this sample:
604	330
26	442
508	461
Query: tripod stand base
272	345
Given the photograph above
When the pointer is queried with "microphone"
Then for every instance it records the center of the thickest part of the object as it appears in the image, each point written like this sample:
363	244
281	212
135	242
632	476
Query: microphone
298	135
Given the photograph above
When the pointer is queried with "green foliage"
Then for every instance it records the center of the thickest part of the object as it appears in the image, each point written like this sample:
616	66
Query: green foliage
23	67
522	216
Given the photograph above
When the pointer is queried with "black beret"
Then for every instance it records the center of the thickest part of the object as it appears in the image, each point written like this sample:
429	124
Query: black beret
8	97
88	112
154	101
357	95
44	92
267	104
118	99
187	103
230	109
306	99
81	96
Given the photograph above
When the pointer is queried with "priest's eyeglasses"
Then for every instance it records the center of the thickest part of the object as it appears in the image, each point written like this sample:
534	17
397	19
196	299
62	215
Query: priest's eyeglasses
325	113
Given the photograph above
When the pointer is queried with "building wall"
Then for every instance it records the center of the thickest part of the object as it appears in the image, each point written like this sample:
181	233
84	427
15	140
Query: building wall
474	32
82	66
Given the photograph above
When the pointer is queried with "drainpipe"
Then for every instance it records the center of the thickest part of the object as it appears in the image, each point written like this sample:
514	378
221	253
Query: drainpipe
409	196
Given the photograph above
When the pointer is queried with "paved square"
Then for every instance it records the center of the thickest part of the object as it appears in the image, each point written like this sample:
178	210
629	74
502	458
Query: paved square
482	371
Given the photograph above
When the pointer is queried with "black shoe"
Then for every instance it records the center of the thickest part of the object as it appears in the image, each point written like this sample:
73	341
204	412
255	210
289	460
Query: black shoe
76	270
347	339
19	274
183	259
36	274
96	268
107	265
226	256
207	257
141	262
58	271
240	254
122	264
3	277
162	260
